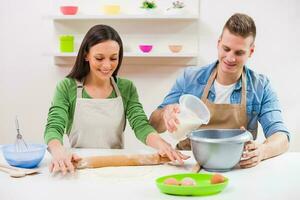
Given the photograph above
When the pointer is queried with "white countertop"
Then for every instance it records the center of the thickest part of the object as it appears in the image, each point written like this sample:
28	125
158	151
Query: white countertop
276	178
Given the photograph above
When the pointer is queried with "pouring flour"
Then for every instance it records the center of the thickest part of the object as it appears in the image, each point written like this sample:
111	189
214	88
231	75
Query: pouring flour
193	113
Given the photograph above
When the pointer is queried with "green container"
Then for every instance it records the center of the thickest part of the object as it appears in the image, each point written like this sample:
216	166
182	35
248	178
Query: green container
66	43
203	186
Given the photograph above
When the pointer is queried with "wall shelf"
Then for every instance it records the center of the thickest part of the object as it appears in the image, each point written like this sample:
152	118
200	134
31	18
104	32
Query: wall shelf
138	27
123	17
127	54
149	59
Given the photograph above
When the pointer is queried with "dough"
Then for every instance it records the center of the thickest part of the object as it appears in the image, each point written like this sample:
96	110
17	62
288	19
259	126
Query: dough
128	173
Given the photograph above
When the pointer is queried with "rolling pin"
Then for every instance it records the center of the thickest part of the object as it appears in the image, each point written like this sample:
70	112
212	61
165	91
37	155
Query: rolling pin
121	160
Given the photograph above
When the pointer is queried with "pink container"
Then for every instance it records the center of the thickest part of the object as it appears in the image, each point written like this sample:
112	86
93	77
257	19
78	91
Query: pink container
145	48
69	10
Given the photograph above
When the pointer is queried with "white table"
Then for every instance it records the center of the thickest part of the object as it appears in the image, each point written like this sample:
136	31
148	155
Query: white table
276	178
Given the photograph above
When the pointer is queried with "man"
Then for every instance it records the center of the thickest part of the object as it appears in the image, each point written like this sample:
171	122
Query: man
236	96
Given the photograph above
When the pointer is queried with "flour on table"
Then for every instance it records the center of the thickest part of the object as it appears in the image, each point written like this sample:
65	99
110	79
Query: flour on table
127	173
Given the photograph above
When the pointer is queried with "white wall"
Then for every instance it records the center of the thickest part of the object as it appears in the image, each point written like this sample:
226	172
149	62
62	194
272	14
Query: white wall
28	78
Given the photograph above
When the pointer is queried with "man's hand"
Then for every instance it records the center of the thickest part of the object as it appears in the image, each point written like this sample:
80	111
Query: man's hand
169	116
252	155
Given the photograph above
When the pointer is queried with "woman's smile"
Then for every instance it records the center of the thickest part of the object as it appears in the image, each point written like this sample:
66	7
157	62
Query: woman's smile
104	71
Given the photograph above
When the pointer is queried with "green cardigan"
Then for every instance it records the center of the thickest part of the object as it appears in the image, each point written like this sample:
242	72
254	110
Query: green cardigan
61	112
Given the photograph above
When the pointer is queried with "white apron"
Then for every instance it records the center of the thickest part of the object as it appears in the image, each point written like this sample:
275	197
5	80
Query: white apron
98	123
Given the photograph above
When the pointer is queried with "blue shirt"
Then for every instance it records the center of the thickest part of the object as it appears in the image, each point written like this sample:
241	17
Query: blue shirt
262	102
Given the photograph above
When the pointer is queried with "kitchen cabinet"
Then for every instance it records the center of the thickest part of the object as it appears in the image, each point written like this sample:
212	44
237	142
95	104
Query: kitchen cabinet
159	29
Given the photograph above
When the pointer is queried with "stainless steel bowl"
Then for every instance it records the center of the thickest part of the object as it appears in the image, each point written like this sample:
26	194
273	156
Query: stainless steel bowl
218	150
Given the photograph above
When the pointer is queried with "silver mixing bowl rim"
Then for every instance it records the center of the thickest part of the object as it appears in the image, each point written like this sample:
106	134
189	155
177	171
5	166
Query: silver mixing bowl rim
243	137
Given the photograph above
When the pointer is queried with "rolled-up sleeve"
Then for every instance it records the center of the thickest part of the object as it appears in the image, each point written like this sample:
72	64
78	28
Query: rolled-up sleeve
270	116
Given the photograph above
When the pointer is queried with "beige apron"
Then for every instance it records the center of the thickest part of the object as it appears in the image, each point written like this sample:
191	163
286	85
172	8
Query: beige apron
223	116
98	123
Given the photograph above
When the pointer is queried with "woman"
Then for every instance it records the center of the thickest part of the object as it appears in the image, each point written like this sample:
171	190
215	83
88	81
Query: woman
91	104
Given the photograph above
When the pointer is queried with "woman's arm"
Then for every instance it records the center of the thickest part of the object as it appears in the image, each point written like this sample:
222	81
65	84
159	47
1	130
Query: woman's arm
58	118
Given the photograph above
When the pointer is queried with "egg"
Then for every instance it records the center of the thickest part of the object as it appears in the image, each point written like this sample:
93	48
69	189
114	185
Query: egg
187	181
217	178
171	181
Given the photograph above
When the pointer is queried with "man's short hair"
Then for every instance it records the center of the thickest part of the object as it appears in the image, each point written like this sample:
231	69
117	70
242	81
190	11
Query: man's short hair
241	25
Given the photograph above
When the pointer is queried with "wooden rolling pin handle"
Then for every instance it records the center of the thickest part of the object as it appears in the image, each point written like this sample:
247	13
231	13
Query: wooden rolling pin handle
121	160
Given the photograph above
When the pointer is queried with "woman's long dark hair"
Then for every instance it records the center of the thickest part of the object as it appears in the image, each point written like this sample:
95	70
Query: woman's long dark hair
97	34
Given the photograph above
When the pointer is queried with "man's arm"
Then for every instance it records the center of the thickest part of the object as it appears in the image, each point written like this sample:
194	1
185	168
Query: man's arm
163	119
275	145
156	120
270	118
254	153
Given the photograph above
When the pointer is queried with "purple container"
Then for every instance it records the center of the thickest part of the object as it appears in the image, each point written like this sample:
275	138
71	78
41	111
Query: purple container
145	48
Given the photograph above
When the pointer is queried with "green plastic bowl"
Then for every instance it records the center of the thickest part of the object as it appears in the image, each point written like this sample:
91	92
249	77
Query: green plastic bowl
203	186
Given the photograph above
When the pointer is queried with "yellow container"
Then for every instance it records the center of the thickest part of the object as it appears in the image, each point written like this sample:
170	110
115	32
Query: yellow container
111	9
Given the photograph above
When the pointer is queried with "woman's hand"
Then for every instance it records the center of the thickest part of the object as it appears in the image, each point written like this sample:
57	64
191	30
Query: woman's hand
62	161
252	155
169	116
164	148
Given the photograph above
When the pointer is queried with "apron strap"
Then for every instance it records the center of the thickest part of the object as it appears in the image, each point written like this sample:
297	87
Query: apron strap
79	89
114	84
244	89
208	85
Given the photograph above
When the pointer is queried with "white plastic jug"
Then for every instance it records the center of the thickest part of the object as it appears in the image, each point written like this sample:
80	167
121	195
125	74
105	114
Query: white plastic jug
193	113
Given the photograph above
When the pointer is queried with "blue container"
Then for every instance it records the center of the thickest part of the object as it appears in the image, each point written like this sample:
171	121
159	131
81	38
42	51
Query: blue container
27	159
